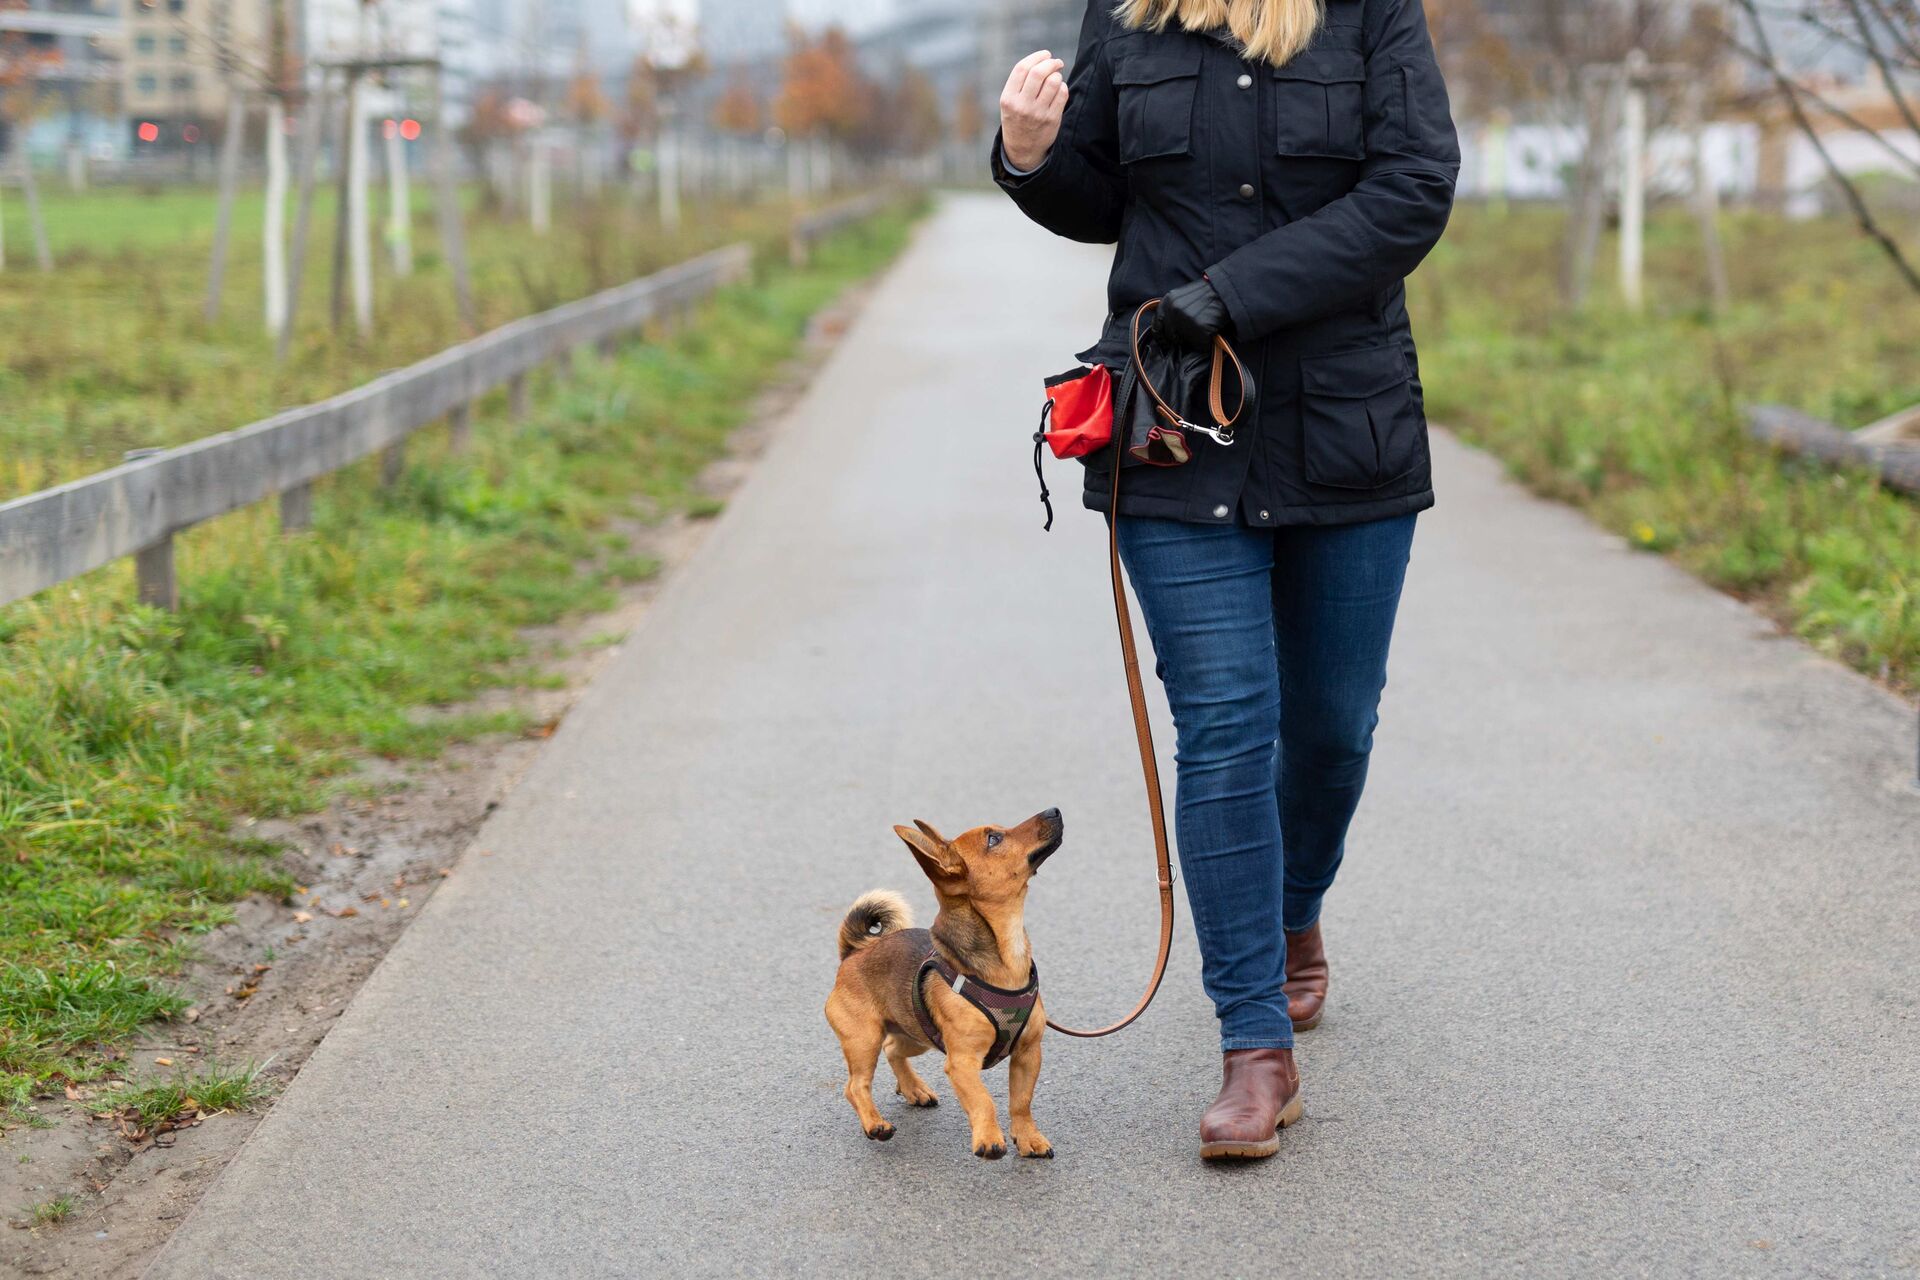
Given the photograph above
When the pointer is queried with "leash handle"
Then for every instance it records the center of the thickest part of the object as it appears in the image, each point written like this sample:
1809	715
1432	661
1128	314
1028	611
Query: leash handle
1222	429
1142	730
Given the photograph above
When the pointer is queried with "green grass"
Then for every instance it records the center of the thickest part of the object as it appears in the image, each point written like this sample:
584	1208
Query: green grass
132	741
53	1211
1637	419
212	1090
111	352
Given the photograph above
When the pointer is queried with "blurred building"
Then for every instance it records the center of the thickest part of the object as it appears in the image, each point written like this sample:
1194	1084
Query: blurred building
75	48
733	31
181	58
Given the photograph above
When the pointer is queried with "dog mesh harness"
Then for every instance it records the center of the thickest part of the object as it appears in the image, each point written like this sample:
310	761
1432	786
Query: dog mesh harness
1007	1010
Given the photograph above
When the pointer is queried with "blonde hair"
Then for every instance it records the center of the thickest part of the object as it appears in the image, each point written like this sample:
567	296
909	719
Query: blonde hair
1271	30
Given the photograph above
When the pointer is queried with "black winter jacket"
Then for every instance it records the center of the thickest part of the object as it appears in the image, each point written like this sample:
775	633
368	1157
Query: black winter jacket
1306	194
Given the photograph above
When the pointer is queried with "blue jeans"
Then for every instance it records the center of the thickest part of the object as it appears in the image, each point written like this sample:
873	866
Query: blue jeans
1272	645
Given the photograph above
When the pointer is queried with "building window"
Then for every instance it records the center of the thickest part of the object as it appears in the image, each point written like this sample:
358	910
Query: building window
144	44
176	44
181	84
176	6
147	84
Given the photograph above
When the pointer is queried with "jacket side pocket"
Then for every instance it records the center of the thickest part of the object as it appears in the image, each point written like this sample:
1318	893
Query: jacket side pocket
1360	424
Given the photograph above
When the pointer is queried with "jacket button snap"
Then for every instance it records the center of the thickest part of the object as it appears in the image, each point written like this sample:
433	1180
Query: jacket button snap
1246	191
1220	512
1245	81
1265	516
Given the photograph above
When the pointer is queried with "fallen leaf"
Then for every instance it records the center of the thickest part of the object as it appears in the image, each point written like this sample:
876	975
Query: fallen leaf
302	917
261	968
400	881
73	1094
402	904
386	902
248	990
445	872
299	888
193	1015
344	912
163	1062
192	1048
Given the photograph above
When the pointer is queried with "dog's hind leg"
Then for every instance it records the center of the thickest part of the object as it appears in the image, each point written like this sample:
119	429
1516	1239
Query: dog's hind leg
860	1031
1023	1071
907	1081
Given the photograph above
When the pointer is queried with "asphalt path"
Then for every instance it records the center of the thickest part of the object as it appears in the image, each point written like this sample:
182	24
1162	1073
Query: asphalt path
1625	953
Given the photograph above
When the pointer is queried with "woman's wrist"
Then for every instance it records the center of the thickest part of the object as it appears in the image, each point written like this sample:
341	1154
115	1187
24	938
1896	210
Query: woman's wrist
1024	163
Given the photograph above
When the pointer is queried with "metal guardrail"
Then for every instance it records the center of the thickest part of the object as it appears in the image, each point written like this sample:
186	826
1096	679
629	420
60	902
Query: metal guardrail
136	509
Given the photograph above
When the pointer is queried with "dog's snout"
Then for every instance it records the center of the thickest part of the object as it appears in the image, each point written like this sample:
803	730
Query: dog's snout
1051	828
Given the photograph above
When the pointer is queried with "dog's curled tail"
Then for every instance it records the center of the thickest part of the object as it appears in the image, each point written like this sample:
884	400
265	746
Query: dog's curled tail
872	917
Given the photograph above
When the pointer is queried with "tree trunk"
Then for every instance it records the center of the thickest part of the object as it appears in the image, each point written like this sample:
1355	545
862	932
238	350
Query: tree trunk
452	235
540	185
669	150
1633	185
274	224
1706	201
223	220
36	224
313	127
399	206
359	246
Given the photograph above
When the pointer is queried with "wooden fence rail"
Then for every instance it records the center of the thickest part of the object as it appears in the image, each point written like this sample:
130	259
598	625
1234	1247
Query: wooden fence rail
810	229
136	509
1791	431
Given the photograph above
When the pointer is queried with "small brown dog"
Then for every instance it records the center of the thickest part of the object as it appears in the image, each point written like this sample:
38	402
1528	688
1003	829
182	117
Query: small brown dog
968	986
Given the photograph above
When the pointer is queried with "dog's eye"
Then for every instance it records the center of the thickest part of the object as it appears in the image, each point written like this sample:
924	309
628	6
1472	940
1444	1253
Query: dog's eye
993	839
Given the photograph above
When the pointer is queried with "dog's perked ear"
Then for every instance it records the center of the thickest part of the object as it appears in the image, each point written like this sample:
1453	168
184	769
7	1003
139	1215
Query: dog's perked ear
931	851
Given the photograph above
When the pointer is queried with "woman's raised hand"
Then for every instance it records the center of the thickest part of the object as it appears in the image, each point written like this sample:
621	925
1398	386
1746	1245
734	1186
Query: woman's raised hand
1030	109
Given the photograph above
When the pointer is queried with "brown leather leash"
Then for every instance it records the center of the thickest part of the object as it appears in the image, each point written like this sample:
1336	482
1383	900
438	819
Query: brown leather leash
1130	654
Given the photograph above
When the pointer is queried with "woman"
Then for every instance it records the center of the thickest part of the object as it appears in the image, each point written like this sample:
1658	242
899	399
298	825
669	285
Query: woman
1273	169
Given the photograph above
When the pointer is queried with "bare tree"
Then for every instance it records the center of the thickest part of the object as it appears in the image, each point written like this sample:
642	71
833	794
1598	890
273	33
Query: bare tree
1887	32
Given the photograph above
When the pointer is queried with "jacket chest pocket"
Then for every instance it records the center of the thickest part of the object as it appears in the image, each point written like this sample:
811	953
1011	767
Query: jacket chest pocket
1362	428
1319	104
1155	91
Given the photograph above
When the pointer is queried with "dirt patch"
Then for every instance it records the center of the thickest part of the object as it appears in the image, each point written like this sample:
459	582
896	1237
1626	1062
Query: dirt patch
268	987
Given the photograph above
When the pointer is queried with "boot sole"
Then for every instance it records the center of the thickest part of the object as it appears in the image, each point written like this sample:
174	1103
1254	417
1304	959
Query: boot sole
1289	1115
1312	1022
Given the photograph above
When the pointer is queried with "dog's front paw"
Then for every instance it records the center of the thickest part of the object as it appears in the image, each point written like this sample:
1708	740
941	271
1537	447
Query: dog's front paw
880	1132
991	1149
1033	1146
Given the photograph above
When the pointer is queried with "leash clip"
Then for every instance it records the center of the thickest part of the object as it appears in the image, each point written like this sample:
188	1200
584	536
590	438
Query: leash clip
1219	435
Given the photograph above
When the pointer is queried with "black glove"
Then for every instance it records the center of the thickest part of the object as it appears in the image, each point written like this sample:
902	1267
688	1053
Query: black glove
1190	316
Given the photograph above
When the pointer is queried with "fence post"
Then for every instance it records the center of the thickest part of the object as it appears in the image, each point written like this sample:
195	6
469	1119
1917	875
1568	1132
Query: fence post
296	508
153	565
460	428
517	396
153	568
393	461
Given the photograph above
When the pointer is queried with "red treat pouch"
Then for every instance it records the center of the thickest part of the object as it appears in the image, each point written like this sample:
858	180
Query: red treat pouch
1078	415
1076	420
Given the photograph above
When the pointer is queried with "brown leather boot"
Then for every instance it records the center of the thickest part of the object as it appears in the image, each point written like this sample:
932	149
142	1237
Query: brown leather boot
1259	1096
1306	984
